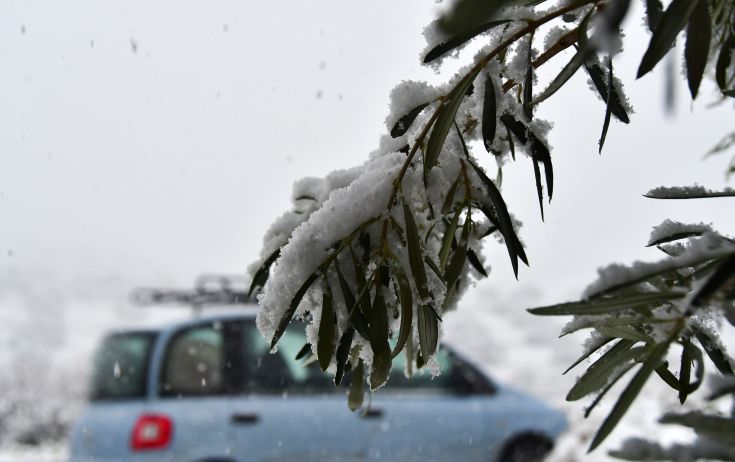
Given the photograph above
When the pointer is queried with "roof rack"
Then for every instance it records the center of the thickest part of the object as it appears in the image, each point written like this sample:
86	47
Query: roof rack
209	290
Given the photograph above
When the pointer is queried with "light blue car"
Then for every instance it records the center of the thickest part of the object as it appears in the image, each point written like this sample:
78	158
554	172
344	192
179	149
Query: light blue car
207	390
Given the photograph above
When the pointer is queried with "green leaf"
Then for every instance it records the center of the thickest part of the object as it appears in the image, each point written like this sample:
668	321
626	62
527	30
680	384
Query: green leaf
608	304
516	127
363	296
286	318
611	383
415	254
597	75
357	319
723	62
399	231
582	54
303	351
447	241
489	114
428	325
653	272
261	276
435	269
327	324
540	155
454	269
676	237
379	330
654	11
623	331
343	353
444	121
714	351
672	22
589	353
688	194
598	374
630	393
475	262
690	354
461	38
528	82
449	200
405	298
721	278
696	50
357	391
666	375
515	249
404	123
608	104
564	75
511	146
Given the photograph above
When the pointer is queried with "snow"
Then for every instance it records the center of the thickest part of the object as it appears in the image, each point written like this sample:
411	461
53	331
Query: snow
708	246
344	210
683	192
670	228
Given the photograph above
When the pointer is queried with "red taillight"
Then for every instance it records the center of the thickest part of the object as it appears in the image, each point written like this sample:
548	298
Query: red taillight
151	431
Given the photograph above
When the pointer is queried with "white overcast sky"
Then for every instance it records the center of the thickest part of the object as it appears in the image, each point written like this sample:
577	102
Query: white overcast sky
151	141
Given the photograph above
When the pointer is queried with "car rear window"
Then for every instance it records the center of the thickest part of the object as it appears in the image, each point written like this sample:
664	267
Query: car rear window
121	366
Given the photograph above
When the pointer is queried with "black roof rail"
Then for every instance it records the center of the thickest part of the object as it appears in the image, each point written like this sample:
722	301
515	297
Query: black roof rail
209	290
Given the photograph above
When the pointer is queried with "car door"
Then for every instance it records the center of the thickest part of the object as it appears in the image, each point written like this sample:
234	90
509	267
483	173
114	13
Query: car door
426	419
191	388
290	410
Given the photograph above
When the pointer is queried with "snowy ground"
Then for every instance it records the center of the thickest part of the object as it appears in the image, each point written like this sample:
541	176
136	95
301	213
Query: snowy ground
48	334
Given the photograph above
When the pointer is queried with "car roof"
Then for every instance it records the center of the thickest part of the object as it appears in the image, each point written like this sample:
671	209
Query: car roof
191	317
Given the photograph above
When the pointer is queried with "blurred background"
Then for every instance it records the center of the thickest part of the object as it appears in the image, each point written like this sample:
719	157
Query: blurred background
143	143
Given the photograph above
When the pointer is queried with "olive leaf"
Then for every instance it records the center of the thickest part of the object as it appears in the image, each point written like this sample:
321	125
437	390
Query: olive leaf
454	268
357	319
475	262
608	304
445	119
713	350
608	104
327	325
286	318
449	199
597	374
489	114
261	276
696	50
461	38
357	392
672	22
404	123
343	353
589	353
405	297
428	326
724	58
630	393
504	223
379	330
654	11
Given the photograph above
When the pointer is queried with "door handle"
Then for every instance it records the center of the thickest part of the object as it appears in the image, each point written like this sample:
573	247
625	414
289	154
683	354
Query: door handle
373	413
244	419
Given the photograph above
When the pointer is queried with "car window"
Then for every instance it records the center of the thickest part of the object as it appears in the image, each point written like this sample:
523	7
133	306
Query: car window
194	362
278	372
121	365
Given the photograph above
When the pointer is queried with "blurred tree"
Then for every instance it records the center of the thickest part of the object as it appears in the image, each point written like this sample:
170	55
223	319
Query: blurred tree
374	256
